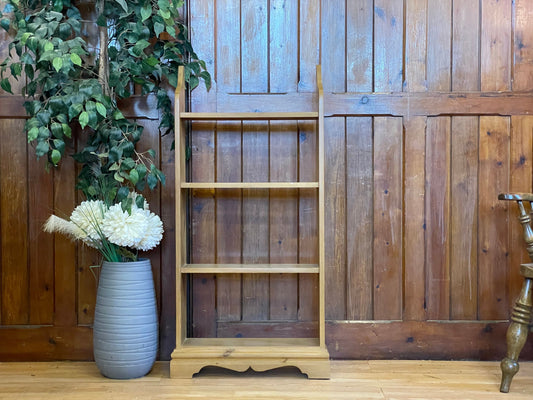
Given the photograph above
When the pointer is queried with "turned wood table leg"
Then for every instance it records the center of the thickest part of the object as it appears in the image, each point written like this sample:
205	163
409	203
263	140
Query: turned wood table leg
517	335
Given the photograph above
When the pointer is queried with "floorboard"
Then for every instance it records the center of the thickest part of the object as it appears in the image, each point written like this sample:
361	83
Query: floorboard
391	380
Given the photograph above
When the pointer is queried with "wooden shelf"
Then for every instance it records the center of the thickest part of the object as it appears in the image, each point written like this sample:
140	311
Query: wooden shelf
248	185
252	342
250	268
310	355
249	116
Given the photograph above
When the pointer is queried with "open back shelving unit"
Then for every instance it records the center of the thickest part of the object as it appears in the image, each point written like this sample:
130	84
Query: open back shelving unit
310	355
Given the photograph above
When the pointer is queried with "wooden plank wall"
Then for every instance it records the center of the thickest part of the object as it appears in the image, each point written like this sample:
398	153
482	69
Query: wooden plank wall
424	128
427	107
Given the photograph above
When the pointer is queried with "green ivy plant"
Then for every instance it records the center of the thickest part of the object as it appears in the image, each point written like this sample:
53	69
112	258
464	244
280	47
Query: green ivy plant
71	86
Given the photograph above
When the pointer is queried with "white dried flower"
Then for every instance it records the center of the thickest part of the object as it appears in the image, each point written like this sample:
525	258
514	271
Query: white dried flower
122	228
153	233
87	218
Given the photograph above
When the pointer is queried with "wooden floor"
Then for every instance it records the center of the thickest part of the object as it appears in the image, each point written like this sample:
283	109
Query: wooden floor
390	380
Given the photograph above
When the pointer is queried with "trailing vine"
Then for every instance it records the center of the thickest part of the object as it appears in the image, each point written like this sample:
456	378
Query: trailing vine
73	87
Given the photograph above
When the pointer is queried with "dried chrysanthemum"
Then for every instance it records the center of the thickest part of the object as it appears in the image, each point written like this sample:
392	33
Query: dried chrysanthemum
87	218
153	233
123	228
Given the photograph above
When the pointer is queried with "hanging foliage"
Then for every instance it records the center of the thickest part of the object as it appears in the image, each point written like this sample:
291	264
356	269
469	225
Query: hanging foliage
73	87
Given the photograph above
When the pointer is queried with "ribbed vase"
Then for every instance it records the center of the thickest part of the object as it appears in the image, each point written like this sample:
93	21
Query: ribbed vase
125	335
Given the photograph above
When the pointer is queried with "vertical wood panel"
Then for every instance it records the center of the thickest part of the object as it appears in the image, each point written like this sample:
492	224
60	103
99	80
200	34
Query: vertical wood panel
463	224
493	217
228	160
202	228
465	45
359	29
496	44
309	44
359	218
523	46
308	221
414	210
255	246
255	236
333	45
309	49
388	268
415	46
151	140
335	217
439	45
167	312
228	219
333	76
283	36
14	211
521	178
283	221
41	244
388	45
437	218
65	260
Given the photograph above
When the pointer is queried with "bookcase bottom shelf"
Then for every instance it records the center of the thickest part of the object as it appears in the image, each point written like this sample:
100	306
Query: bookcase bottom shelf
195	354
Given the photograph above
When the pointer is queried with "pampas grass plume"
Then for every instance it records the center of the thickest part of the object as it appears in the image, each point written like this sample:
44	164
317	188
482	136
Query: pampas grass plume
60	225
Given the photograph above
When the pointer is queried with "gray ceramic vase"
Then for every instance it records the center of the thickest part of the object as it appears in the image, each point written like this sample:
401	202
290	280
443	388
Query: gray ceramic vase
125	335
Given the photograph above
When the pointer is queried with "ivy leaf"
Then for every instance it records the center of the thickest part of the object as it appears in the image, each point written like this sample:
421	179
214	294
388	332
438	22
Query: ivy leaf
123	4
41	149
4	84
159	28
134	176
49	46
67	131
55	156
33	133
84	119
146	12
57	130
57	63
5	24
118	178
101	109
76	59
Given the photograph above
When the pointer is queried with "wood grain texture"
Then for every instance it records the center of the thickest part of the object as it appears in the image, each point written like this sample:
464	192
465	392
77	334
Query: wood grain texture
41	244
388	231
308	220
464	217
332	46
496	24
438	218
65	260
523	46
521	178
388	45
423	340
359	379
439	18
465	45
14	273
359	219
335	217
493	234
309	44
255	162
416	22
359	60
415	219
